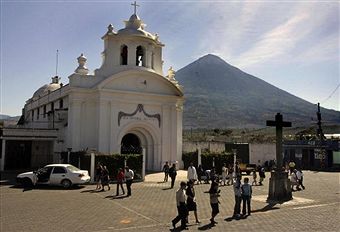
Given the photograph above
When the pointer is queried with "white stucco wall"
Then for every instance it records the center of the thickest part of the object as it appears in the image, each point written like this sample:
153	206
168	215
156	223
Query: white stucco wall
260	153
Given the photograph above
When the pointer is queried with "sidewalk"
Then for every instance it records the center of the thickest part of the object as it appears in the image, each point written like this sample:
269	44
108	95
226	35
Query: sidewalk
152	206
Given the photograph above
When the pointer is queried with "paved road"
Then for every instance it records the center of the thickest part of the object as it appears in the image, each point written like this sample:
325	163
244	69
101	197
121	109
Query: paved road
152	206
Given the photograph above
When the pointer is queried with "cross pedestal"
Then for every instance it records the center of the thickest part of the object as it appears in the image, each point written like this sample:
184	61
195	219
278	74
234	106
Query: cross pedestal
279	184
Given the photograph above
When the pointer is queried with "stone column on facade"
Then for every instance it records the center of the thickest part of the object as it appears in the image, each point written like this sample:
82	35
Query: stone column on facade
132	55
199	153
148	54
93	163
143	164
74	124
166	140
103	128
3	155
179	129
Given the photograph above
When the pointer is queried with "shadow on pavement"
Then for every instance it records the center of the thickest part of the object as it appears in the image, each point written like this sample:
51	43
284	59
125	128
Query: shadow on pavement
270	206
177	229
167	188
93	191
229	219
45	187
206	227
113	197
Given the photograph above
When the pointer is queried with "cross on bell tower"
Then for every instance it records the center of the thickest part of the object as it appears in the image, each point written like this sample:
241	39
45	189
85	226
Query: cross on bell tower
135	6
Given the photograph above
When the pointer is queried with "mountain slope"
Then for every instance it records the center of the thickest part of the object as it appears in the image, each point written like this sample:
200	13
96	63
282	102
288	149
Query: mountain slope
219	95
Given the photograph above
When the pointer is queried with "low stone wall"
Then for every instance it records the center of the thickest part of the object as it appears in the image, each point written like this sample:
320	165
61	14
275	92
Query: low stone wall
211	146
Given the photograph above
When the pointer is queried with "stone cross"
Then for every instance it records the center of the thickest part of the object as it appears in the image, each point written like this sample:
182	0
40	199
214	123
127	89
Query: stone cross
279	124
135	5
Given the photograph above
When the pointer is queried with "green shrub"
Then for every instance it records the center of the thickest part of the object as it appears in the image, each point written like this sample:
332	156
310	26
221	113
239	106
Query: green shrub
112	162
115	161
189	157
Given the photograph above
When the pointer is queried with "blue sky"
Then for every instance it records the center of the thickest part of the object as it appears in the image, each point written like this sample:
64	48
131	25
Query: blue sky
292	45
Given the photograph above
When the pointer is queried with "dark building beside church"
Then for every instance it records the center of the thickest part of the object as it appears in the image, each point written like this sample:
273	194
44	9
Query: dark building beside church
312	155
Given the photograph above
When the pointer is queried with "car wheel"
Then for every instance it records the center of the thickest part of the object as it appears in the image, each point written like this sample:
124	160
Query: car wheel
66	184
27	182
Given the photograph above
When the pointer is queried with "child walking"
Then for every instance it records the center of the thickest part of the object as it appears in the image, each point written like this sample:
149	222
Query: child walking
120	180
238	197
214	194
246	190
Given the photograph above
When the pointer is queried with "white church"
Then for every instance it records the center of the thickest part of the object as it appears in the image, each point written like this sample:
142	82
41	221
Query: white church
125	104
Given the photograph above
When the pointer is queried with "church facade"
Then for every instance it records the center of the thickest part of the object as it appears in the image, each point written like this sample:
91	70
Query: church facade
125	106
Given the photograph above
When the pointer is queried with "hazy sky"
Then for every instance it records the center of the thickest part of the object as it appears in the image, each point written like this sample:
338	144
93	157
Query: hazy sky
292	45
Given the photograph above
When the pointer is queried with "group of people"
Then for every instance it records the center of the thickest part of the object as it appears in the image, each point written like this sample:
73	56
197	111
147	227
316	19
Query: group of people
296	176
296	179
186	201
170	171
102	179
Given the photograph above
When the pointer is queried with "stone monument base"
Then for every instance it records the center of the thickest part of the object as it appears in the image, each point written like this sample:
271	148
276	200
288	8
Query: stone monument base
279	187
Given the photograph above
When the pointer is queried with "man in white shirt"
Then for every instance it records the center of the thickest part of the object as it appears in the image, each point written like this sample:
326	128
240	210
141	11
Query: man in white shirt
181	207
128	178
192	174
298	177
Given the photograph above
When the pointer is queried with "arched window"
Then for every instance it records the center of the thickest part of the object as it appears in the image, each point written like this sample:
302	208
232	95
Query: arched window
153	60
140	57
44	108
123	55
61	103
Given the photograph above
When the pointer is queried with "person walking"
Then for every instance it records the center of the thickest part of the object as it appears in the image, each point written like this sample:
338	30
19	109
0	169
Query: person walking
120	180
192	174
299	174
230	175
181	207
105	178
191	200
213	176
173	174
262	175
254	178
246	192
200	172
166	171
129	175
224	174
291	167
214	194
238	198
98	174
294	181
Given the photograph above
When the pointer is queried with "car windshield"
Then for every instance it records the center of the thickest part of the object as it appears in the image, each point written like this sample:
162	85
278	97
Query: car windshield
72	168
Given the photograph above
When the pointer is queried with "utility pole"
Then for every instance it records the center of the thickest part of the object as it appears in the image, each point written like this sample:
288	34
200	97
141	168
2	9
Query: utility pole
321	136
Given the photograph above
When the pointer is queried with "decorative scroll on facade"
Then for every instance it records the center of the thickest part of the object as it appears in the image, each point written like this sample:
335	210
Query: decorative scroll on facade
140	108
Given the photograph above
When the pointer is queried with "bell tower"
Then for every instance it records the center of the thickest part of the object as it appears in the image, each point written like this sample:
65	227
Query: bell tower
131	47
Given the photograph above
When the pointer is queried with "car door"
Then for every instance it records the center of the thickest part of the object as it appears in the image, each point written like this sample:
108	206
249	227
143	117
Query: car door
57	175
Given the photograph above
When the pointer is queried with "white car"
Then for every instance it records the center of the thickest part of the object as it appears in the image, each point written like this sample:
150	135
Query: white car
65	175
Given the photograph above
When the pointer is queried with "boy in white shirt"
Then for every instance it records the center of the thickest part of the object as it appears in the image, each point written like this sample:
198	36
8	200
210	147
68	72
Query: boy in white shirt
246	195
181	207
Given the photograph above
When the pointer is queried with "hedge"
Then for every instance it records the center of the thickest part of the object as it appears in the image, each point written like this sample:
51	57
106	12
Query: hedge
112	162
115	161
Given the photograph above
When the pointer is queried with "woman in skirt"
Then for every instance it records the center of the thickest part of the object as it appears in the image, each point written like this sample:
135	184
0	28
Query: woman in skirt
191	200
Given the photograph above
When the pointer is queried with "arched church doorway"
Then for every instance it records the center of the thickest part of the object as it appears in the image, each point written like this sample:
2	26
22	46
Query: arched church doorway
131	144
139	138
